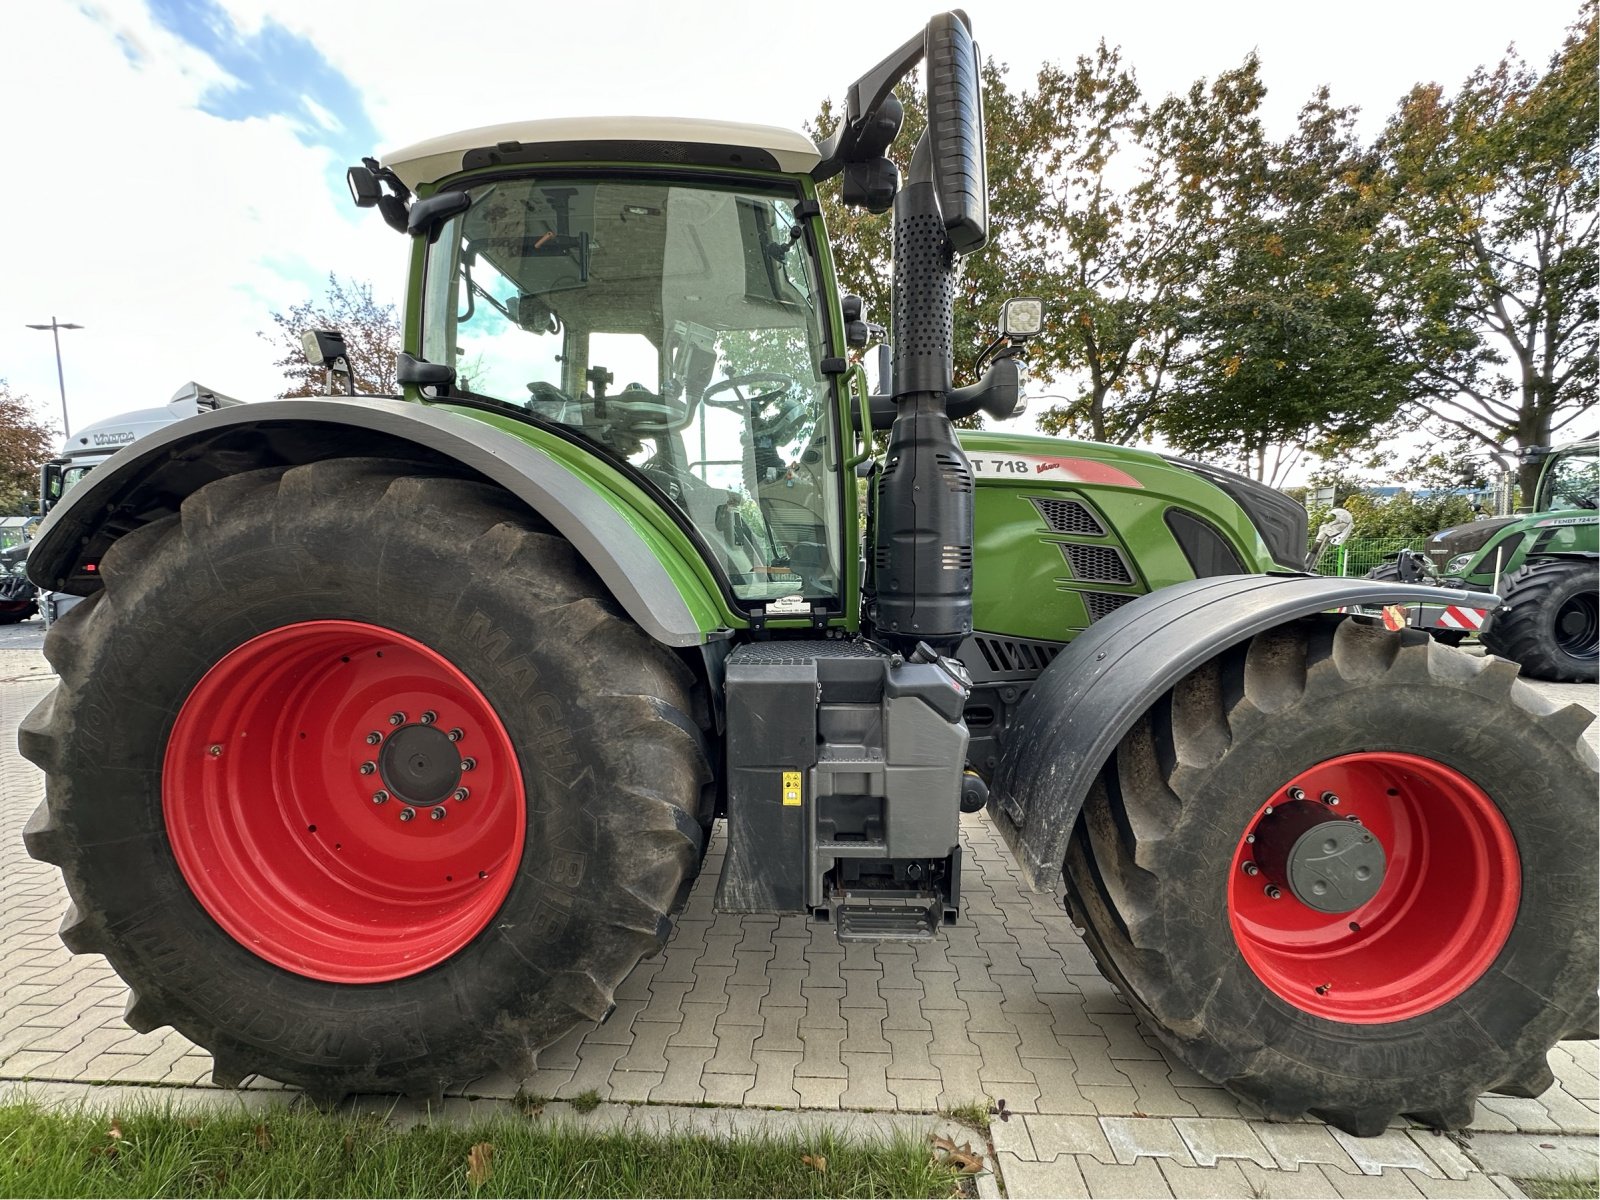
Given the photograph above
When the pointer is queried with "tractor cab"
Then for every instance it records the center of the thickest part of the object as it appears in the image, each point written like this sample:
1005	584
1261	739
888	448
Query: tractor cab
669	320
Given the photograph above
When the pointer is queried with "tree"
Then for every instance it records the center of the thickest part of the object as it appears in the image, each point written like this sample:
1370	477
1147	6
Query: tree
25	445
1282	349
1491	252
371	334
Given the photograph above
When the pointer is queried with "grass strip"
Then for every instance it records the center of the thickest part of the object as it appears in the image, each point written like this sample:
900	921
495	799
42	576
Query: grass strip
299	1152
1565	1187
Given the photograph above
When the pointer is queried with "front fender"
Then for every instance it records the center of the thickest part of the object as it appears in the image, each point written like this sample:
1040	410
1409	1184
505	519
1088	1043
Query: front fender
1086	700
149	479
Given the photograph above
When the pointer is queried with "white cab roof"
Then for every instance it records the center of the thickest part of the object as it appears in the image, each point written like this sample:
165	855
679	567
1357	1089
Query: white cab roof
441	156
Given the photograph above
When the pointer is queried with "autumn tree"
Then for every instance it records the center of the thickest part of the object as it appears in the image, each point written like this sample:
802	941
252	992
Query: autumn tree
25	445
1282	349
371	334
1492	268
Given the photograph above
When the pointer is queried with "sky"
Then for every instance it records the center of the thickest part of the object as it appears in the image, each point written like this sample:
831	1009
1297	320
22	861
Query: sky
177	166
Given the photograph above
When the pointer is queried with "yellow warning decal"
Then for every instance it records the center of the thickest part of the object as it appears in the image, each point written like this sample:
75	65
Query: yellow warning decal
791	789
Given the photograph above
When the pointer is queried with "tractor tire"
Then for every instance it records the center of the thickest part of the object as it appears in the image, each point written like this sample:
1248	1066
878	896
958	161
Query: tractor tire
361	781
1449	637
1550	621
1448	969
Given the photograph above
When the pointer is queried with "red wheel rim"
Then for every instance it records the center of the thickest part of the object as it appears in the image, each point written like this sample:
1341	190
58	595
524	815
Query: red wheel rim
286	778
1443	911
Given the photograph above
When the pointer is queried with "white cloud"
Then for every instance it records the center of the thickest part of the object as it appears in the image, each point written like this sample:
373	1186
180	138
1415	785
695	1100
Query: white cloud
171	234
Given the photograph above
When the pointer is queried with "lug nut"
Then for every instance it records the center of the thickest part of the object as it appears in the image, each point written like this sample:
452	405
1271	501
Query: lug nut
455	735
380	797
1329	798
1353	817
440	813
408	813
468	764
1294	794
398	718
216	751
461	793
367	768
1251	838
1251	869
374	738
1267	812
1272	891
429	717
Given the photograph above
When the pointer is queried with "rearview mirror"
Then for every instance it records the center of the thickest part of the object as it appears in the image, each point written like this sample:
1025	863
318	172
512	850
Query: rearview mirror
955	131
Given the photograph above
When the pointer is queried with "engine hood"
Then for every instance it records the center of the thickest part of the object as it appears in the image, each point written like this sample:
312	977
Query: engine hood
1463	539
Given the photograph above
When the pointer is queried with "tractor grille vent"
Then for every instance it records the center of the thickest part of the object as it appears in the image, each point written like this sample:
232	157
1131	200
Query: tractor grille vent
1013	656
957	475
1096	564
956	558
1068	516
1102	604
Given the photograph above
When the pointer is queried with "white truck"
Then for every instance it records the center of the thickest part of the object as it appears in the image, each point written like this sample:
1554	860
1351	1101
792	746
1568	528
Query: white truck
94	444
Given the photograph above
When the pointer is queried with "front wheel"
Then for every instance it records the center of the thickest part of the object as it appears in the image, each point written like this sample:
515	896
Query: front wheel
1550	621
1350	872
360	780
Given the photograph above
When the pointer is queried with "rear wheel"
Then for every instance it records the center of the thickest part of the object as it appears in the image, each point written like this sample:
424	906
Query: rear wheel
360	781
1348	871
1550	621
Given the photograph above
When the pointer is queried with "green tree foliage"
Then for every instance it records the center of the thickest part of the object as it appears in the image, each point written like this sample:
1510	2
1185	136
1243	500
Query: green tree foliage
26	444
1491	250
1282	349
371	334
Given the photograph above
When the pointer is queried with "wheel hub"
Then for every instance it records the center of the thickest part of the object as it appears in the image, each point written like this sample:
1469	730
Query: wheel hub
420	765
1328	863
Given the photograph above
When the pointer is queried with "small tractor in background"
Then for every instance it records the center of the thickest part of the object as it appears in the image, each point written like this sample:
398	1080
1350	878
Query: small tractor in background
1543	564
391	731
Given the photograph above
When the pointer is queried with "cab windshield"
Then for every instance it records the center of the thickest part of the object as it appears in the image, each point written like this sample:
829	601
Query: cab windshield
1572	481
669	326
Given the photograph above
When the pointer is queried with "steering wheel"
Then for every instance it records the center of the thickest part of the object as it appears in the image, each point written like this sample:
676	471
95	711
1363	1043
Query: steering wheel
779	384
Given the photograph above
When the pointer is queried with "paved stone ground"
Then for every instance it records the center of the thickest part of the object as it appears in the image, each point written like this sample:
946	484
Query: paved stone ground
757	1011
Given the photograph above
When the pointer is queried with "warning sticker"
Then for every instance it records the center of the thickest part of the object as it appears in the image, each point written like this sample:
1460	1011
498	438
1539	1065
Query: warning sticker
791	789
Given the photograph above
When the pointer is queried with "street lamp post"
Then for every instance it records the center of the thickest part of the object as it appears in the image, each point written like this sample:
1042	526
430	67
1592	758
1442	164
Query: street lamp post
55	327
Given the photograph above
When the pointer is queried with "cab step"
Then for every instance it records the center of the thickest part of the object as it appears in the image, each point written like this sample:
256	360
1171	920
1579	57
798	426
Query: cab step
915	920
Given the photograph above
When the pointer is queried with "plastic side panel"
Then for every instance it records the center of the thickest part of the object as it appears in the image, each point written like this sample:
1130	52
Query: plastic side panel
148	479
1090	696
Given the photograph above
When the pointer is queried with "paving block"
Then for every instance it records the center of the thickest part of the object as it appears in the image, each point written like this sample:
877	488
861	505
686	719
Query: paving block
1308	1183
1391	1148
648	1050
1225	1180
914	1094
962	1085
1133	1138
1297	1144
784	991
733	1050
780	1029
774	1085
821	1057
634	1087
726	1089
941	993
1012	1137
1092	1063
1142	1179
819	1092
864	1031
908	1053
905	1010
744	1005
682	1082
1391	1185
1053	1136
1153	1085
1025	1180
699	1026
1058	1092
618	1027
1476	1186
1210	1140
1111	1101
1548	1156
1001	1062
1529	1116
597	1060
868	1083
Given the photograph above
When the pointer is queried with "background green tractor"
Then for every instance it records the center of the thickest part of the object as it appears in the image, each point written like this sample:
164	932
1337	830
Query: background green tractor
390	732
1542	564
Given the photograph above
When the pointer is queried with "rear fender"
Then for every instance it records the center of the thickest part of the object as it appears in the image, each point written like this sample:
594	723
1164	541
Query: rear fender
1071	720
655	582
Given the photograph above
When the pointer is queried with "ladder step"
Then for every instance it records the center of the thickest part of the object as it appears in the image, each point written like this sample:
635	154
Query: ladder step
886	922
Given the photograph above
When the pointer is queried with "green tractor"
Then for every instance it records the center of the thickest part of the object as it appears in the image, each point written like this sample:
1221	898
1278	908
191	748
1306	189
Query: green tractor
1544	565
390	733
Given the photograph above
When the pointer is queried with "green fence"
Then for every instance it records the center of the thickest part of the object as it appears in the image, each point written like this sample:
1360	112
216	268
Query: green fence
1359	555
